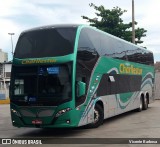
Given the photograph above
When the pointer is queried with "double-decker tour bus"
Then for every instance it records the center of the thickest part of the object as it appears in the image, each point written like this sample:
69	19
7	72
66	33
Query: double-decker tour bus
75	75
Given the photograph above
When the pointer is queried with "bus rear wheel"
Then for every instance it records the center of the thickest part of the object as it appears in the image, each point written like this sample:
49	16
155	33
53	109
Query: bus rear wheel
98	117
140	105
145	103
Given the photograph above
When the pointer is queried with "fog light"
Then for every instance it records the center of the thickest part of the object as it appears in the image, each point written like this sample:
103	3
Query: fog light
68	121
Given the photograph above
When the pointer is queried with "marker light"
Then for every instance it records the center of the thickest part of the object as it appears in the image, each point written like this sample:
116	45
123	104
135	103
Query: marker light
16	112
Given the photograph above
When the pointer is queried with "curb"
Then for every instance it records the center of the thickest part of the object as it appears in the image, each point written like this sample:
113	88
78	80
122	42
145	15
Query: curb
7	101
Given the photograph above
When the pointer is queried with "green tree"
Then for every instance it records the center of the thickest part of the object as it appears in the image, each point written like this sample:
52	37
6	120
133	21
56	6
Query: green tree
111	22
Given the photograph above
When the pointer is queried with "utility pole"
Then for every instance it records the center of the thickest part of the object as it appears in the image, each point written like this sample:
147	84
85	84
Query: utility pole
11	42
133	23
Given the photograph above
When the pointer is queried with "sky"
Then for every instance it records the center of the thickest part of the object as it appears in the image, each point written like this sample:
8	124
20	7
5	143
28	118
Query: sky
19	15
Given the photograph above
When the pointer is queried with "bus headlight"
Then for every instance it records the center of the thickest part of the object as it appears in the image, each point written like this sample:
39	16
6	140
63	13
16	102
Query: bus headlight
62	112
16	112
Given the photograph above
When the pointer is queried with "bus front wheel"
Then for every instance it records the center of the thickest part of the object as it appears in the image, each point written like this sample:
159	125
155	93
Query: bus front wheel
98	117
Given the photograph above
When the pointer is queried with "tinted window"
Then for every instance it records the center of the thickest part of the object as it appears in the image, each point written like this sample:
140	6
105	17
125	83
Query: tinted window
92	41
122	84
111	47
88	48
46	43
47	85
140	56
82	74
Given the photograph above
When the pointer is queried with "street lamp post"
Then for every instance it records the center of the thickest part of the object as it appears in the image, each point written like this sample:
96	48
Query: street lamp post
11	41
133	23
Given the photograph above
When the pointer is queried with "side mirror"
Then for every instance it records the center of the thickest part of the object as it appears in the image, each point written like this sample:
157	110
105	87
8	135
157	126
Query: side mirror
81	88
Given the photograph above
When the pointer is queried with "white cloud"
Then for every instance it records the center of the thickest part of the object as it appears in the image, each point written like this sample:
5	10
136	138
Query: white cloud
7	26
19	15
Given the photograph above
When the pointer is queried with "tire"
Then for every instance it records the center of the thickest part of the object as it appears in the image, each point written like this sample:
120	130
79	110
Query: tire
98	117
140	105
145	104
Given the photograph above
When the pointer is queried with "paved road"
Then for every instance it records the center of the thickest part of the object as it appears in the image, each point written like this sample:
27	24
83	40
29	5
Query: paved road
145	124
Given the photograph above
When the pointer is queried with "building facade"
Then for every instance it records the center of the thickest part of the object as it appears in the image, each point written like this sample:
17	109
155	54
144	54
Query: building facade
5	73
3	56
157	66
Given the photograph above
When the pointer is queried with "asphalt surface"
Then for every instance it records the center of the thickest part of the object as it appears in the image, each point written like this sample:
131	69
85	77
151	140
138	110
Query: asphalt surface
145	124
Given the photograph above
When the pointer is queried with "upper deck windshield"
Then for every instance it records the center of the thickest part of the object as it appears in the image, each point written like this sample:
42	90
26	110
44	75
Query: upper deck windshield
46	42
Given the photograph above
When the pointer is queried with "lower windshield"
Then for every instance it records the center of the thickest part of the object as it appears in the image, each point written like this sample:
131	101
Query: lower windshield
42	84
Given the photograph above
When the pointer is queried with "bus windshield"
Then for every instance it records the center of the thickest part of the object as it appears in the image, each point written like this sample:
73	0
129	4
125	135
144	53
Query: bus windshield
46	42
48	83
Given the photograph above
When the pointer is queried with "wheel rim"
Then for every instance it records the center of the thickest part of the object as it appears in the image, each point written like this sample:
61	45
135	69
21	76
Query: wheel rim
140	104
96	116
145	101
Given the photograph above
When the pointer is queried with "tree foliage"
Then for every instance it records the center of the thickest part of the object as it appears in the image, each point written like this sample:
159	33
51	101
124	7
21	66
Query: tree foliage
111	22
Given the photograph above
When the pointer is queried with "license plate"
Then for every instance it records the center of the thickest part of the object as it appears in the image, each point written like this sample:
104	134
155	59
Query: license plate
36	122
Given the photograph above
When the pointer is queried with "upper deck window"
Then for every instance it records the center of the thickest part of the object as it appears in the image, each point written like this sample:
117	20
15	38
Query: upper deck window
49	42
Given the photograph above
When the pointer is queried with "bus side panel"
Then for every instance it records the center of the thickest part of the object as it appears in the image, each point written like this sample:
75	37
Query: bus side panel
120	102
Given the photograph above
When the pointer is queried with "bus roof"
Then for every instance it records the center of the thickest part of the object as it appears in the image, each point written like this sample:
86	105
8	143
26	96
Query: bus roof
52	26
84	26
